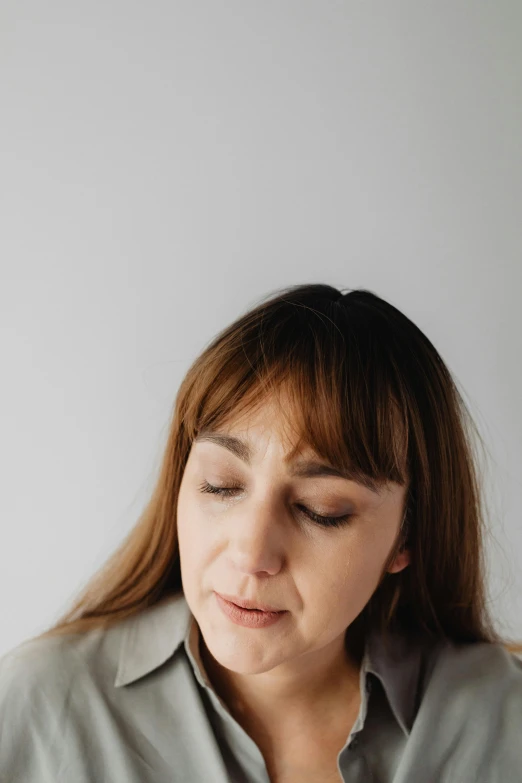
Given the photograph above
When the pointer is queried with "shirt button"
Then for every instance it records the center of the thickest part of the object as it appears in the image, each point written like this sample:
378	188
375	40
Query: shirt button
354	743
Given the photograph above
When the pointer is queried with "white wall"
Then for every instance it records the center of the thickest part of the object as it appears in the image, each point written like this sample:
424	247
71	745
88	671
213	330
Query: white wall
164	165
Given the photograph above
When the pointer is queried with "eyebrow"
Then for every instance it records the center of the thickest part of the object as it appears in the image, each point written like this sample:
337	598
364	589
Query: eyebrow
302	468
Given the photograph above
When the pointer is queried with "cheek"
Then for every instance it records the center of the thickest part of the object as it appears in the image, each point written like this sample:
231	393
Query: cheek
194	534
350	571
188	531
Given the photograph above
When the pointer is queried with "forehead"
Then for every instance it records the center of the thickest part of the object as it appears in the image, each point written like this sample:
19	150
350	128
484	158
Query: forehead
246	432
271	416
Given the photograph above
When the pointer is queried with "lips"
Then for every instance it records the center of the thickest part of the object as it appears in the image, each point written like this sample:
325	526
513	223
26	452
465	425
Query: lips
245	603
255	619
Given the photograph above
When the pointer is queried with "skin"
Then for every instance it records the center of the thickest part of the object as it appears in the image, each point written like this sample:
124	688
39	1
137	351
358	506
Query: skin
259	544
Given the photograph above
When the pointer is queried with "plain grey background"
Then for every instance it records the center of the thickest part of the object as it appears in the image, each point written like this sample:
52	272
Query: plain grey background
164	165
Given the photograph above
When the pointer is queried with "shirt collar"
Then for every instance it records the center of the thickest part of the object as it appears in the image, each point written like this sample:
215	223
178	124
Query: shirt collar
155	634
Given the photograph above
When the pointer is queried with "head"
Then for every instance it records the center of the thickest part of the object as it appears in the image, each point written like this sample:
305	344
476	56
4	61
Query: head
347	381
263	516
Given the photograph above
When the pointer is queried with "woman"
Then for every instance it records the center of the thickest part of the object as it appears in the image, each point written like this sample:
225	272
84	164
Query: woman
320	473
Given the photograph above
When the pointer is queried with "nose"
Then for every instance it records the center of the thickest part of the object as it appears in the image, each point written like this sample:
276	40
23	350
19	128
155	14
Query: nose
256	543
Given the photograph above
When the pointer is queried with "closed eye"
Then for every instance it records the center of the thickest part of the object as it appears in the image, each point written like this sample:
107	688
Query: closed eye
319	519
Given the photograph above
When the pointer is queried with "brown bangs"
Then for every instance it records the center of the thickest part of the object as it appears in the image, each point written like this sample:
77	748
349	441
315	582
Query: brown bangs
338	392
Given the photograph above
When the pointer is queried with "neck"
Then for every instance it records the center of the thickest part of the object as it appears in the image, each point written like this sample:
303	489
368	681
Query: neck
283	700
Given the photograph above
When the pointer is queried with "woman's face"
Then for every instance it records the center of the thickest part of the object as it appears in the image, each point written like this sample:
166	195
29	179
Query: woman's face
258	543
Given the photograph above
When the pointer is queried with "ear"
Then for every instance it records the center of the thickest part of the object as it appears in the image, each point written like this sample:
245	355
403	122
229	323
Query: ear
400	562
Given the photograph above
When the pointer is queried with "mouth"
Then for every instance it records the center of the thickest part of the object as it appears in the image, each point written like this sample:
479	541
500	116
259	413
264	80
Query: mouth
253	618
251	605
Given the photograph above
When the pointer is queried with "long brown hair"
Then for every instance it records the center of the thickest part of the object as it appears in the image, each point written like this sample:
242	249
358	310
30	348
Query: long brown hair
368	391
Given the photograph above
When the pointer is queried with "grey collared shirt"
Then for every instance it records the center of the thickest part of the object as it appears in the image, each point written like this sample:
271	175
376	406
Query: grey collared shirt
133	704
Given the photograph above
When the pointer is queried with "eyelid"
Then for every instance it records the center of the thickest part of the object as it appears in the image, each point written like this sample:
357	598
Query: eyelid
323	520
327	496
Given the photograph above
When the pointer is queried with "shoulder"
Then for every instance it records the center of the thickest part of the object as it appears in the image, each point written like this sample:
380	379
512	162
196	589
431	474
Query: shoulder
470	713
473	692
37	675
34	681
482	665
44	666
42	681
32	667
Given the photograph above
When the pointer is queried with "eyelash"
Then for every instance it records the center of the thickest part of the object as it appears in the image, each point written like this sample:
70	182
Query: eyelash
317	518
